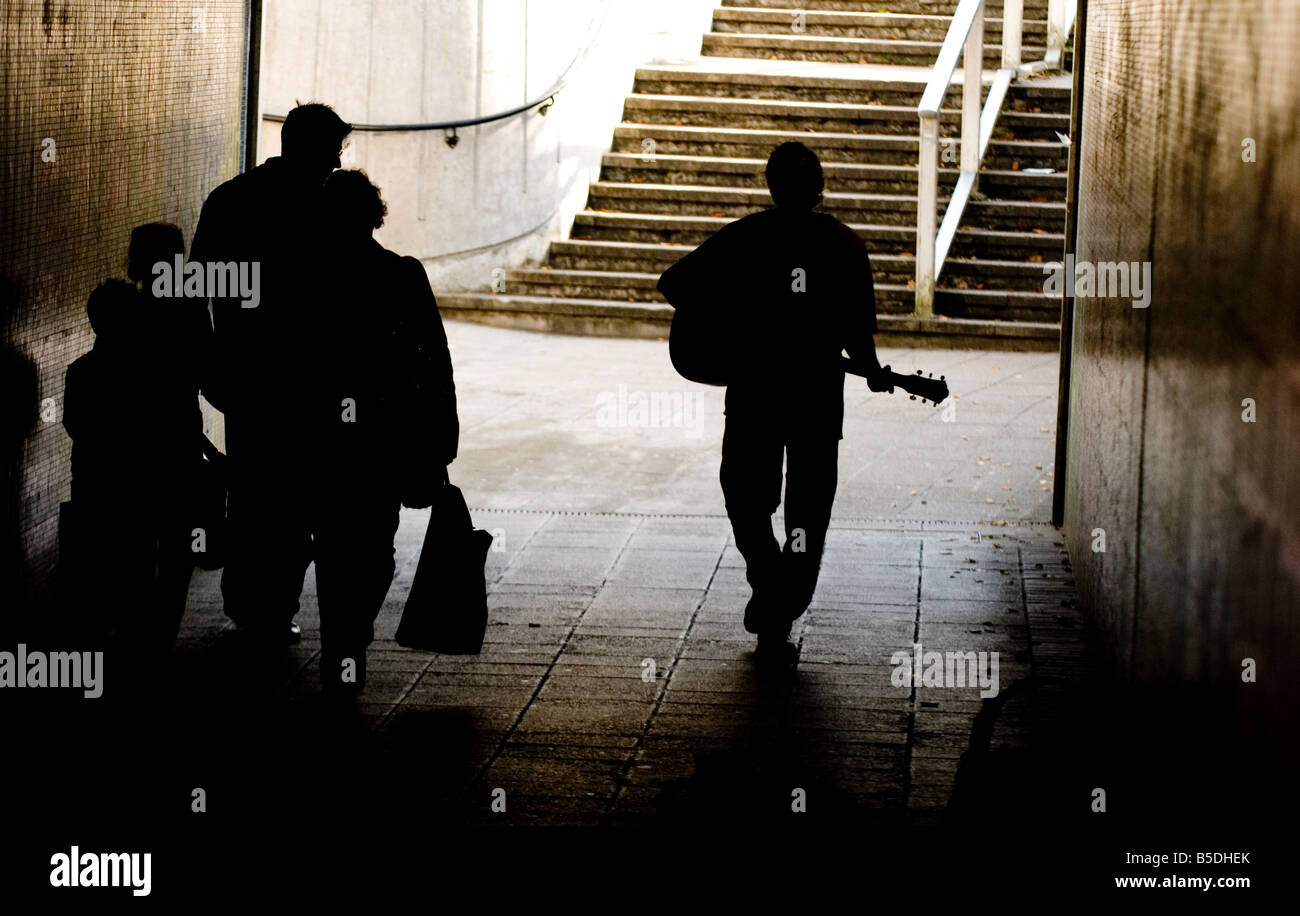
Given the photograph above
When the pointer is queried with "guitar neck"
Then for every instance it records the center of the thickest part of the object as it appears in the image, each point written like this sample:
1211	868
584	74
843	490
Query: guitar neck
934	390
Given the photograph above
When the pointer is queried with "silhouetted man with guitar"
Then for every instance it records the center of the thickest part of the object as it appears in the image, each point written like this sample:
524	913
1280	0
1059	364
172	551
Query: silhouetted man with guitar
767	306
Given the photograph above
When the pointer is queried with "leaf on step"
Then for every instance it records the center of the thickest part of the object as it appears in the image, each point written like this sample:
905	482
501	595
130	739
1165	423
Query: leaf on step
1039	200
1015	165
717	214
1039	231
911	284
1036	259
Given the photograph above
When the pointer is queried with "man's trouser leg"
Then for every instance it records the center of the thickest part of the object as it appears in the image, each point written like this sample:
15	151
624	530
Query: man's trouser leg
354	568
171	583
751	487
269	535
811	477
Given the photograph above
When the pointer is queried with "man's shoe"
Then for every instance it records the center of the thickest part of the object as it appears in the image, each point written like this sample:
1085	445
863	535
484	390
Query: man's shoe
776	650
270	637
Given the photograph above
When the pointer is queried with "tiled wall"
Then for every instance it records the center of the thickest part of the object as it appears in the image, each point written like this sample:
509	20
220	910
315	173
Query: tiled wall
1201	510
112	114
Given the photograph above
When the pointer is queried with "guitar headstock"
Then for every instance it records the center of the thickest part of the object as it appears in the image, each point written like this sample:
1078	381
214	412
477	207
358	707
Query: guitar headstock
925	387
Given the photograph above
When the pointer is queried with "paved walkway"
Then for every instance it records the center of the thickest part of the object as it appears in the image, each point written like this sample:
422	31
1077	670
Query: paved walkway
617	682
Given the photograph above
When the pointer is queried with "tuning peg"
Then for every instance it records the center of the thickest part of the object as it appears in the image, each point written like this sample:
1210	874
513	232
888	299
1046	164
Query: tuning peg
918	371
929	375
911	397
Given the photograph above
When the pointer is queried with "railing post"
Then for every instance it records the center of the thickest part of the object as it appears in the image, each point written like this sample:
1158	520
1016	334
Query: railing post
973	58
1056	27
927	206
1013	17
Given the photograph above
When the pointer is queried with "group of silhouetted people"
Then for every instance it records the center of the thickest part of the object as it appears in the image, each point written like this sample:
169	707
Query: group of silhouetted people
339	403
340	406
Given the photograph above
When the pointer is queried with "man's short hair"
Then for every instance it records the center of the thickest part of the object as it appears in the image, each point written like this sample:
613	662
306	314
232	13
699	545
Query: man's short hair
111	308
312	131
151	243
794	176
353	200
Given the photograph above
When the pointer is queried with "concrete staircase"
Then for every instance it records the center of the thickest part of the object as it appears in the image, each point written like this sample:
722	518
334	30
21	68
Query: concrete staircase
689	157
904	32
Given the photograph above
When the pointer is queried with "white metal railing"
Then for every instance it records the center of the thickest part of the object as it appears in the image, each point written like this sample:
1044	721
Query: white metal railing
966	39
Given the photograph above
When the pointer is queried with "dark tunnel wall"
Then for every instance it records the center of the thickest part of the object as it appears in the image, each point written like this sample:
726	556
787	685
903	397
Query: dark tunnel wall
113	114
1201	510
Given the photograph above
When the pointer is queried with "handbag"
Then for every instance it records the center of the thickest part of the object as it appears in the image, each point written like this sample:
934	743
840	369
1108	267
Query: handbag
447	609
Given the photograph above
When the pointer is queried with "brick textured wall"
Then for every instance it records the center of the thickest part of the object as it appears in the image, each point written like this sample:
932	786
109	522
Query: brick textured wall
1201	510
112	114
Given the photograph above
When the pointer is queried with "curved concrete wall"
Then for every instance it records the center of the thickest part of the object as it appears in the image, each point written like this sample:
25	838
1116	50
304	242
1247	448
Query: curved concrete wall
507	188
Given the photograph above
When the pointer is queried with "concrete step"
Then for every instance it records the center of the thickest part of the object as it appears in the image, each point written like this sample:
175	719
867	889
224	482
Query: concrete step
832	84
705	200
897	149
887	267
677	229
841	117
847	50
609	318
955	298
855	24
1036	9
842	177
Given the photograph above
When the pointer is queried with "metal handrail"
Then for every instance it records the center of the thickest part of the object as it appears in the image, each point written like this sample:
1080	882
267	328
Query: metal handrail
965	38
543	102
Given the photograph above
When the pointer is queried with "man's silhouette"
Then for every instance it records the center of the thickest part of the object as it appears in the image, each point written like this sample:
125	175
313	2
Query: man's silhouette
383	412
135	500
794	289
271	216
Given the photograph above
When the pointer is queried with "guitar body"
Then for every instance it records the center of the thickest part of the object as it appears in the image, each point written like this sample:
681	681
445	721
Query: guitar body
698	346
